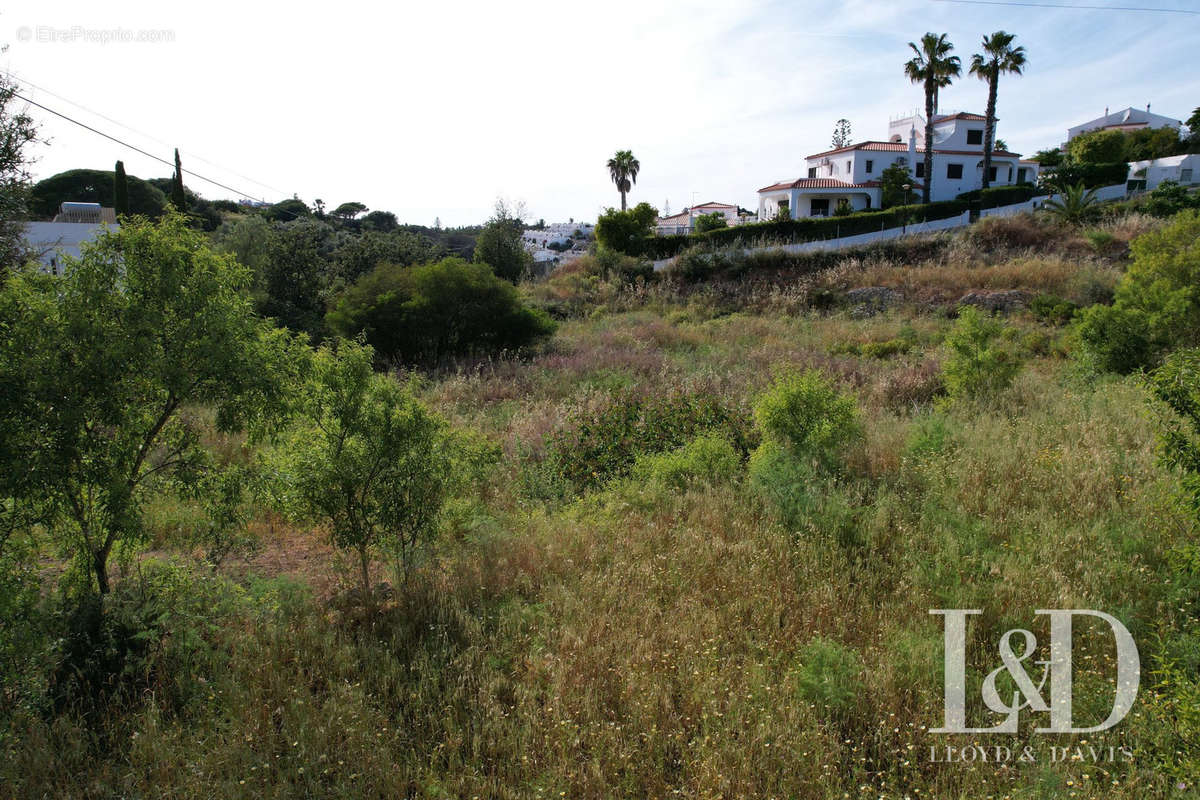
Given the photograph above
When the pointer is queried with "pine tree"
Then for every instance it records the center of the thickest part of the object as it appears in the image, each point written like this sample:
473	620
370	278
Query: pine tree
120	190
178	198
841	133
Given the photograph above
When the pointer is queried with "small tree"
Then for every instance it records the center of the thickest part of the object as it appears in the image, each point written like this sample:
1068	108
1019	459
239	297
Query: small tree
375	465
17	131
626	231
148	325
120	190
980	362
1177	384
500	244
893	180
710	222
1097	147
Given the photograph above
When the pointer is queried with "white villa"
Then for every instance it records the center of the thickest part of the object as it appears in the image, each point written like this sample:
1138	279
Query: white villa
685	221
1184	169
75	224
1127	119
850	175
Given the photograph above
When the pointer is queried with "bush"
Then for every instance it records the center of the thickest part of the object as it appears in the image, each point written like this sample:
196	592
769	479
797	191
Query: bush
996	196
1114	339
626	231
1156	306
595	446
92	186
1092	176
1177	385
981	362
1053	310
830	675
709	458
1168	199
806	415
426	313
710	222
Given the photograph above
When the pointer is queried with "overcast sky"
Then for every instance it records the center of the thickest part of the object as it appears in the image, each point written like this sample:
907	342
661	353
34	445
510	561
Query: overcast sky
434	109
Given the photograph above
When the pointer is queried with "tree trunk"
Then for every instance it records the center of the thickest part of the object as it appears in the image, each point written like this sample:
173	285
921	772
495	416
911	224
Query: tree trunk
622	199
927	180
364	565
100	567
989	130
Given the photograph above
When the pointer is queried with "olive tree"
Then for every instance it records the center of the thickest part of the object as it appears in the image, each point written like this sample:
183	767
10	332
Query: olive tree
375	464
106	371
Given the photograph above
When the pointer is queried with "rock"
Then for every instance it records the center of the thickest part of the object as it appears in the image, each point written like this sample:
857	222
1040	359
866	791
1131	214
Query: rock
870	300
1006	300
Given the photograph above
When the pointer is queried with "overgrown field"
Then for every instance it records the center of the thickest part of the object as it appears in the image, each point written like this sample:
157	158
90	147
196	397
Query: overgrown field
645	595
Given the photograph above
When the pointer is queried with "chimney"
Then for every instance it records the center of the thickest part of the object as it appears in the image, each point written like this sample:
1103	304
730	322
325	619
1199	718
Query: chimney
1106	111
1147	108
912	149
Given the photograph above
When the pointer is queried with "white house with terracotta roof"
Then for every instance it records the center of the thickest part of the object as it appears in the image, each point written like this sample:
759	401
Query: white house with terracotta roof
850	174
685	220
1127	119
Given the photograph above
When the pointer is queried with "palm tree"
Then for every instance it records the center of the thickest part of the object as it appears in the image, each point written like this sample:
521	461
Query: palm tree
998	57
934	68
623	168
1074	205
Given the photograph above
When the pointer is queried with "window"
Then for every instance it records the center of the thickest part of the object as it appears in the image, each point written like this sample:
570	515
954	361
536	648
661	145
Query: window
849	167
812	172
974	136
992	175
870	166
920	169
1021	173
868	205
820	207
1185	176
954	171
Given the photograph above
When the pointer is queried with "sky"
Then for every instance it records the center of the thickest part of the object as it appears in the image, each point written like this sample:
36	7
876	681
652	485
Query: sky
435	110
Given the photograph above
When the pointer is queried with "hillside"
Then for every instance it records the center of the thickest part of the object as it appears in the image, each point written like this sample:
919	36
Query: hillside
605	614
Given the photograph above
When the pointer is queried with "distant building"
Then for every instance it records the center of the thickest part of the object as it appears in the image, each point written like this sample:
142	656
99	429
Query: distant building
849	176
1145	175
1127	119
685	221
75	224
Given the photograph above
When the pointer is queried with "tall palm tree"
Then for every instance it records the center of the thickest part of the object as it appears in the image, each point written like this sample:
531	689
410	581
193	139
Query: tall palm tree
998	57
934	68
623	168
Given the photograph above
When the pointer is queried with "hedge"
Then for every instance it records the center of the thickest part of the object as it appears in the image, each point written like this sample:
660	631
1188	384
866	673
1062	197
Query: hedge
1092	176
807	229
997	196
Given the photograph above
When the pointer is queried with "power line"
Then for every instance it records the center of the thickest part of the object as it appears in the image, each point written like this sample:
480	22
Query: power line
1070	6
131	129
135	148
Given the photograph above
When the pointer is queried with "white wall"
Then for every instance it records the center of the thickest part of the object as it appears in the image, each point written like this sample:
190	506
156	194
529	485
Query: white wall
50	240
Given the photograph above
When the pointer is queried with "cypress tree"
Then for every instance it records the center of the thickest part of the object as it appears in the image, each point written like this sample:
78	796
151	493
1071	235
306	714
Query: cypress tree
120	190
178	198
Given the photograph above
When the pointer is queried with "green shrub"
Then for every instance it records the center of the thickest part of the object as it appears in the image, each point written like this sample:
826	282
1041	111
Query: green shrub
709	458
710	222
930	436
1168	199
982	361
1177	385
1052	309
1114	339
996	196
594	446
626	231
1156	306
1100	240
807	416
829	676
426	313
